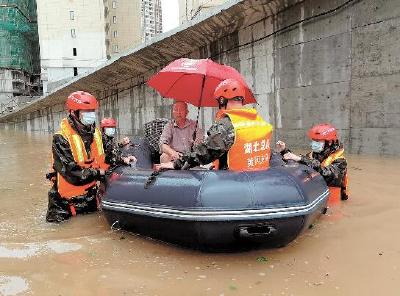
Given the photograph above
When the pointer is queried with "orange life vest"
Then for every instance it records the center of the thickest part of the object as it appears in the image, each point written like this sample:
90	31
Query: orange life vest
251	150
336	192
97	160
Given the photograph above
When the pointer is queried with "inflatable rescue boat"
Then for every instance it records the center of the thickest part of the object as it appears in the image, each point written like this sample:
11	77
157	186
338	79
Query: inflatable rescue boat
215	209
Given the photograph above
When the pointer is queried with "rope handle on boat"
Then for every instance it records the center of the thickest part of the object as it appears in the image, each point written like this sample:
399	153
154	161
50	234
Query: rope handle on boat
113	226
152	178
186	166
261	230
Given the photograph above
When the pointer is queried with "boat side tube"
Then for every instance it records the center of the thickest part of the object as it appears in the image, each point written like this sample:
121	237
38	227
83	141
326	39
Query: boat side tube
200	195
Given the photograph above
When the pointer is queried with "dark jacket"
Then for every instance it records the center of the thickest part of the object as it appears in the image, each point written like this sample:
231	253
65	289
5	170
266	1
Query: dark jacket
112	151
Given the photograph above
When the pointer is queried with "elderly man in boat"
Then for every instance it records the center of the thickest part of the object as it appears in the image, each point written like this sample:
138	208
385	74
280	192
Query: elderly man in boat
177	136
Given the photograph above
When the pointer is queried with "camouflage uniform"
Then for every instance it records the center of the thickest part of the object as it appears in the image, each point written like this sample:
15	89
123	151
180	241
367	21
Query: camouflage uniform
221	137
334	174
112	151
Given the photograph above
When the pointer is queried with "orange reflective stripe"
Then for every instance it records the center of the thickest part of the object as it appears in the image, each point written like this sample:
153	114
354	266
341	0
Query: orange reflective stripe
99	142
75	141
251	149
97	146
336	191
331	158
79	148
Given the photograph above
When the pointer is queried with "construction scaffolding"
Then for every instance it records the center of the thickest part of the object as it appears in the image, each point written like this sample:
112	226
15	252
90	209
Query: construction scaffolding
19	42
19	49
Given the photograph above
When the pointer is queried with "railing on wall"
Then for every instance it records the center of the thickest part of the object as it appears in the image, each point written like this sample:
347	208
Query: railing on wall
15	102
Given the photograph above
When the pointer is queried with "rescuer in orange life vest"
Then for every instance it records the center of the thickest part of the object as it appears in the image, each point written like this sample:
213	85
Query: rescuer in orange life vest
112	150
78	160
239	140
326	157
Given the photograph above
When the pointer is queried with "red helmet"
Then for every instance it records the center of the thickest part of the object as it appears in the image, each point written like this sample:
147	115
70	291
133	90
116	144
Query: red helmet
229	89
108	122
81	100
323	131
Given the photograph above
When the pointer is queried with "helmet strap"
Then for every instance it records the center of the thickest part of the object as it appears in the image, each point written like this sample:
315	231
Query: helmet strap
74	113
222	102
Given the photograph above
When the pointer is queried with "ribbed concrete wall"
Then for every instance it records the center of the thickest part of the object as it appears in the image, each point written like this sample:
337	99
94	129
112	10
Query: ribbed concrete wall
311	61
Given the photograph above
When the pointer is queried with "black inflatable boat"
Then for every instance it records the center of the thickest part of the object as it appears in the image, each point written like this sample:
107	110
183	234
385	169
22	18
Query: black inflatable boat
216	210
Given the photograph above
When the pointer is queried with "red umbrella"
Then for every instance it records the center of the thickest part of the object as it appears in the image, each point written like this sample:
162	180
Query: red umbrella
194	81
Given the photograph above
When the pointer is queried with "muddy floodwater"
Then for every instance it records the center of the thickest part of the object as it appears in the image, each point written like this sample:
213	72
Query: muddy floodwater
353	250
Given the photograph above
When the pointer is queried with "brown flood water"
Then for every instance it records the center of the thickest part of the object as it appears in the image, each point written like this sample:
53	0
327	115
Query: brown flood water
353	250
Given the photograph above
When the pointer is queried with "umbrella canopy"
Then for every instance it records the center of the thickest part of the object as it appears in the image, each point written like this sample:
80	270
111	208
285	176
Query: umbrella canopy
194	81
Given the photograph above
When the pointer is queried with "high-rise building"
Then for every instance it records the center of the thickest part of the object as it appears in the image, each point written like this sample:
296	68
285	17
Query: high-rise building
19	51
72	39
123	25
190	9
77	36
151	18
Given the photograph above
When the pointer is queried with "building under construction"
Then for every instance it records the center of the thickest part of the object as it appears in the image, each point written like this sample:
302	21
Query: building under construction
19	52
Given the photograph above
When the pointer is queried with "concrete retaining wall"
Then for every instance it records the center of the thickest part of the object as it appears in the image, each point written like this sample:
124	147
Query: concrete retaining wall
341	67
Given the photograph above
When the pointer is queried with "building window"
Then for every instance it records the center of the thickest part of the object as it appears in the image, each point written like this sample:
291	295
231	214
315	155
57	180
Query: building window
114	4
74	52
73	35
75	71
115	48
114	19
71	15
115	33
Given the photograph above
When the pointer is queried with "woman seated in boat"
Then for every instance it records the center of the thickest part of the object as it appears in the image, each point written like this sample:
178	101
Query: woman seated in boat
326	157
238	140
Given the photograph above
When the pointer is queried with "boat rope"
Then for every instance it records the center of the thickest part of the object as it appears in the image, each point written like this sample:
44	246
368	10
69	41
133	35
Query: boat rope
152	178
115	228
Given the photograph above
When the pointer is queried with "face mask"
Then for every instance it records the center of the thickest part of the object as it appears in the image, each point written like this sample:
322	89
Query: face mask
88	118
317	146
109	131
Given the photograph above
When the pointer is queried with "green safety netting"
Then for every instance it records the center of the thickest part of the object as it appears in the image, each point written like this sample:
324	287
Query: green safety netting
27	7
19	45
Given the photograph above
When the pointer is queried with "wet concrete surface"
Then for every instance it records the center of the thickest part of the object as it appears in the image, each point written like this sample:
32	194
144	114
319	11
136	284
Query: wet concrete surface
353	250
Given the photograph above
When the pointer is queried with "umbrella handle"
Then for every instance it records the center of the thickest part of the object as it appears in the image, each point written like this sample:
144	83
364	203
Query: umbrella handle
195	129
198	113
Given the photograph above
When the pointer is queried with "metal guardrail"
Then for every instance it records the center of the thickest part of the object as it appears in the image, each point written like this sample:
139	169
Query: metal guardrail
14	103
8	107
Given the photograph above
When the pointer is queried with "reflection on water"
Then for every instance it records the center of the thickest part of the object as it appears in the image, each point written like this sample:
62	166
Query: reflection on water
353	250
12	285
26	250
